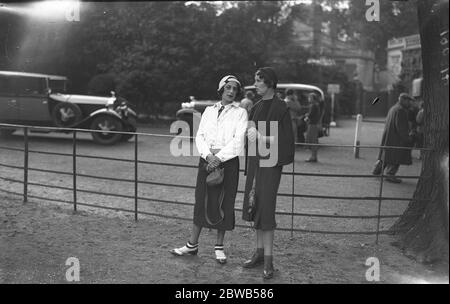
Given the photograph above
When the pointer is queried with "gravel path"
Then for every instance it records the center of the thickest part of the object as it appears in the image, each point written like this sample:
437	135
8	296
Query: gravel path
36	238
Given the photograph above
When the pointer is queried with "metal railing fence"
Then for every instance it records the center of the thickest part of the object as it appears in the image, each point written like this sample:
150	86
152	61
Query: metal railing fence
136	182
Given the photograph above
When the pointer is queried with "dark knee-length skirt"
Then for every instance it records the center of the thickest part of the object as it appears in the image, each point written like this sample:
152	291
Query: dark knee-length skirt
266	189
229	185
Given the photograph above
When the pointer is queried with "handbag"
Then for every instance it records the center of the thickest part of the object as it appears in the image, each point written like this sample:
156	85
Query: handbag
249	212
215	177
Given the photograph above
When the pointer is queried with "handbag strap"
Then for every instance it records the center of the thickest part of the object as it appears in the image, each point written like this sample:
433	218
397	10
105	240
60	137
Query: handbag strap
252	192
221	197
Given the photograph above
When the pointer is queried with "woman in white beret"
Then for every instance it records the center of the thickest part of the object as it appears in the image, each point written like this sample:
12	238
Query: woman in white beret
219	140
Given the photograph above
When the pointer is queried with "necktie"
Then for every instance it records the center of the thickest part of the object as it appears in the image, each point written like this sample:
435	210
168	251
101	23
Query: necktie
220	111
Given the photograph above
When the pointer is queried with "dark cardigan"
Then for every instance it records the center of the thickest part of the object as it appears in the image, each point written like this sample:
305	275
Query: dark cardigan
279	112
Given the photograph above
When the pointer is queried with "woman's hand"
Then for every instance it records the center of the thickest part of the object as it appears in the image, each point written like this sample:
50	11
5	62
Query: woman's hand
210	168
253	134
213	161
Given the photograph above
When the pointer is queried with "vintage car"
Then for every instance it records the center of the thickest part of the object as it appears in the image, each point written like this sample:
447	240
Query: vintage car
301	90
41	100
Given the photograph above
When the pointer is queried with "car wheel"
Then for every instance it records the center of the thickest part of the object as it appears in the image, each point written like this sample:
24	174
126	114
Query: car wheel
132	128
66	114
106	123
5	133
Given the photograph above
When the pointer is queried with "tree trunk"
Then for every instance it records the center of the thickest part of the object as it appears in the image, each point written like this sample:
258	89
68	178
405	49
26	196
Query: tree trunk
424	226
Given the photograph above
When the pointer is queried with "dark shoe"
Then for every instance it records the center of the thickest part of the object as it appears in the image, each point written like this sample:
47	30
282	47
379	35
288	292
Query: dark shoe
268	274
256	260
311	160
185	250
220	254
268	267
378	168
393	179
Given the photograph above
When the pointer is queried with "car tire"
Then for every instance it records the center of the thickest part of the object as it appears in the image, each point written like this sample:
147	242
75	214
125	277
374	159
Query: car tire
107	123
5	133
66	114
132	128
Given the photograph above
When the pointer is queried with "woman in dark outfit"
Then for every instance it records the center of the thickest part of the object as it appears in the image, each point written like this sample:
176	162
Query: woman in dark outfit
262	182
220	140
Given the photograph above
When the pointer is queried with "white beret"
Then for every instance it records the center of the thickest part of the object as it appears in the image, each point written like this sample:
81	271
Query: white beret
227	79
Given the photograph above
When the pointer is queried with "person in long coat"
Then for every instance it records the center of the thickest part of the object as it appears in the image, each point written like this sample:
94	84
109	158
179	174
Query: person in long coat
294	110
313	120
220	140
263	176
396	134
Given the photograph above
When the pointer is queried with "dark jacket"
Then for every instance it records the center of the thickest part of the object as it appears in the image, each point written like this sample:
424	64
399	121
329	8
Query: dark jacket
396	133
279	112
314	114
286	149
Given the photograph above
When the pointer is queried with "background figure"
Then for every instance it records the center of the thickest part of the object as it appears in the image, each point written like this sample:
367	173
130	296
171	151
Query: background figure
313	119
413	109
294	110
280	95
419	129
247	102
396	133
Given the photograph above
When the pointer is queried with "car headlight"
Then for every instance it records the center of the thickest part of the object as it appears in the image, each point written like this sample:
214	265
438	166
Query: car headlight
187	105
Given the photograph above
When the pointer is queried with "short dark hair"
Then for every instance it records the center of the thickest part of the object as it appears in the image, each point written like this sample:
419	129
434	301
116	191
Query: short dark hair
405	96
269	76
289	92
314	97
249	94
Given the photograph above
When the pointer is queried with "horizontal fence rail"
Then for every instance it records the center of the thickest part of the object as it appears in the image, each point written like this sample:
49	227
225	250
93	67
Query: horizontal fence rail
75	189
188	204
369	198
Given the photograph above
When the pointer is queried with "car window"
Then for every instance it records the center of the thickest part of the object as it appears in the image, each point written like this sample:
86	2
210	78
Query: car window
57	86
30	86
302	96
6	86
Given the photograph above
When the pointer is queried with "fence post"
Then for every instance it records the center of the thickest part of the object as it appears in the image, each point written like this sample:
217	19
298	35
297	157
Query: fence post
25	166
293	183
74	158
135	177
380	194
357	134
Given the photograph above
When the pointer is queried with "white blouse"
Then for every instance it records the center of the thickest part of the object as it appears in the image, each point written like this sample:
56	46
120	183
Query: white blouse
226	132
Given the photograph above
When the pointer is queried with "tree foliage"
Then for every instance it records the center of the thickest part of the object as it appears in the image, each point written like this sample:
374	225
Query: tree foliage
166	51
397	19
